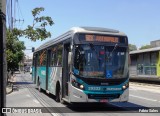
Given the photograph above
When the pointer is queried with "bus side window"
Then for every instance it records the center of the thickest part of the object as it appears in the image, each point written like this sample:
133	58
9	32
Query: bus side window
52	59
53	56
59	55
43	58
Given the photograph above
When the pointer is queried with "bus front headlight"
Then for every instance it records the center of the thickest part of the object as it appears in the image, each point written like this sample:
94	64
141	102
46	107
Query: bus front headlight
81	87
125	86
77	84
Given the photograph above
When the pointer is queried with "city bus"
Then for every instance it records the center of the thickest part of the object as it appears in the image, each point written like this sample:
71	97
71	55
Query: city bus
85	64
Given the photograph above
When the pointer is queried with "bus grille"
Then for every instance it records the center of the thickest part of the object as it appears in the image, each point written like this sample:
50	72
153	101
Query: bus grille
103	96
110	82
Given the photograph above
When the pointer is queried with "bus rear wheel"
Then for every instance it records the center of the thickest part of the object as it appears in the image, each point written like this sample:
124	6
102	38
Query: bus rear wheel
39	86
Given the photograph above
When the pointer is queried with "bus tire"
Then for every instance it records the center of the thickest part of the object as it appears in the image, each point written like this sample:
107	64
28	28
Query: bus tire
39	86
60	97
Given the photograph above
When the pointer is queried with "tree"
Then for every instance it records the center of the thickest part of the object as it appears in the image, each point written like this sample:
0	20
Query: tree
14	49
145	47
37	31
132	47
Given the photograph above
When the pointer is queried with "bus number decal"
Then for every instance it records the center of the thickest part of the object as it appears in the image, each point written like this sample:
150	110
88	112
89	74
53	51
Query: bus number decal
94	88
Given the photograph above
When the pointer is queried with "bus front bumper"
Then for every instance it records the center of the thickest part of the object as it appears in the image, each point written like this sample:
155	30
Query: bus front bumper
77	95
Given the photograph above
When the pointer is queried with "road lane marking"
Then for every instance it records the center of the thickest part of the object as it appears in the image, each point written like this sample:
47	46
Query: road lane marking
56	114
36	101
53	114
132	89
144	98
28	95
143	89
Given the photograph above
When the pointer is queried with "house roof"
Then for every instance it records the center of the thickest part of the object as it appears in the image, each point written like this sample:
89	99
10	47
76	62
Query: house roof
145	50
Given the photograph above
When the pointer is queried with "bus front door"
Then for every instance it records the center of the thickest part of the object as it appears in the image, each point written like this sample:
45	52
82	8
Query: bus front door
66	69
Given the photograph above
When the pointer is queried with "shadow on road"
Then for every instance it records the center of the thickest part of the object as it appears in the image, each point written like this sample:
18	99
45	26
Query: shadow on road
49	95
124	107
99	107
22	83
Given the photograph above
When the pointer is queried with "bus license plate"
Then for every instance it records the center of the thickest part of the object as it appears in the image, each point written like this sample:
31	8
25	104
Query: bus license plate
104	100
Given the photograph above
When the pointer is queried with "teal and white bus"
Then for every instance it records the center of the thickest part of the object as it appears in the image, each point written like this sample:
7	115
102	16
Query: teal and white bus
85	64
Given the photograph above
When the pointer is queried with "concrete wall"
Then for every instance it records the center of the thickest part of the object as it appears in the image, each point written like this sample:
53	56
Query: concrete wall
155	43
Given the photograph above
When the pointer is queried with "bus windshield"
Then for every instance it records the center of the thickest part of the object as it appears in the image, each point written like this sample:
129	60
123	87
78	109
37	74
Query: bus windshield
98	61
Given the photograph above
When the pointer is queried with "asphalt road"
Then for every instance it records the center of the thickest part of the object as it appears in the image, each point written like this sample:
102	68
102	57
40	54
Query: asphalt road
25	94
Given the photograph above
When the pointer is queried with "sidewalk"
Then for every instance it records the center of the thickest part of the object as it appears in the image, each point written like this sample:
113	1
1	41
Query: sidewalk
9	89
9	86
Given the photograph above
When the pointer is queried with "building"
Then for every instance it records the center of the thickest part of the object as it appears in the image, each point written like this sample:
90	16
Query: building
155	43
145	62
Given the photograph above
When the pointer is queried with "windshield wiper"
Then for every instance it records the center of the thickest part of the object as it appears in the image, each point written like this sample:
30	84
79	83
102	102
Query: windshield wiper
115	47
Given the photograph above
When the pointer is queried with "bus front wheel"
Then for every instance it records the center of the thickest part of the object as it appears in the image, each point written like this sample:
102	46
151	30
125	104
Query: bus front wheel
60	97
58	94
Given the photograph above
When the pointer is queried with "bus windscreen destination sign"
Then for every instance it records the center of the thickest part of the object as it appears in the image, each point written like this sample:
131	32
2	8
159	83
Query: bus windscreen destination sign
100	38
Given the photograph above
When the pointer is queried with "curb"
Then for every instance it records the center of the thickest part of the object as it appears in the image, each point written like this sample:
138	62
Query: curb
9	89
145	80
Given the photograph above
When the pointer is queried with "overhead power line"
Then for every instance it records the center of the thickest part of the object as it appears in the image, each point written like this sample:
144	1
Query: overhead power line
14	14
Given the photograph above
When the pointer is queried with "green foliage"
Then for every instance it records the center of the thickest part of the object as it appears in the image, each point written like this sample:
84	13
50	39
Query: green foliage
145	47
37	30
132	47
14	48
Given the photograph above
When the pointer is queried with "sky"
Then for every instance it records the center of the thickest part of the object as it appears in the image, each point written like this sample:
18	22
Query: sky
138	19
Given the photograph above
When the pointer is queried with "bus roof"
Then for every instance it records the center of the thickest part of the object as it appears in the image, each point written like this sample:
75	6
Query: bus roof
73	30
98	30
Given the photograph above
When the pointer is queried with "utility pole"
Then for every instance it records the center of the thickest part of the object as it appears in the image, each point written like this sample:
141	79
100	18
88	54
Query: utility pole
3	66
